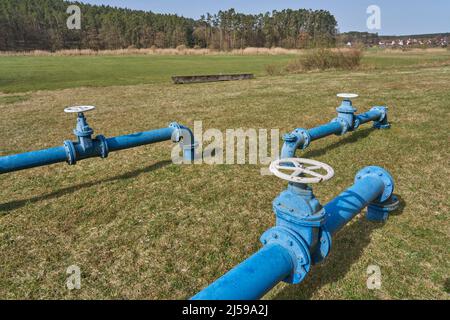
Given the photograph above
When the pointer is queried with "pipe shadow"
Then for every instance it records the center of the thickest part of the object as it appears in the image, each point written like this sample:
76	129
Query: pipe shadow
352	138
5	207
347	248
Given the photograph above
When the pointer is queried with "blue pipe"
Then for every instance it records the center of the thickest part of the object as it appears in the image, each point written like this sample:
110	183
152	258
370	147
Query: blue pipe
139	139
32	159
86	147
325	130
302	236
252	278
345	122
344	207
372	115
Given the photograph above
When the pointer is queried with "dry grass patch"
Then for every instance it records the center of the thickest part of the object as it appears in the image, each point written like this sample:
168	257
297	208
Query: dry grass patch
180	50
324	59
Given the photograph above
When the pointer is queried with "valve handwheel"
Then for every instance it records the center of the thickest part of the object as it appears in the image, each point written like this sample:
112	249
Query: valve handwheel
348	95
302	170
78	109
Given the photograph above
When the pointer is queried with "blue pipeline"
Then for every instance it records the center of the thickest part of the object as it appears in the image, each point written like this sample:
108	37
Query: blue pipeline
299	241
85	148
346	121
252	278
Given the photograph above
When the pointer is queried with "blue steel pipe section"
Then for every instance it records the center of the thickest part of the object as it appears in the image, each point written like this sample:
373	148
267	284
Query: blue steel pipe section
302	235
32	159
345	122
139	139
371	186
252	278
86	147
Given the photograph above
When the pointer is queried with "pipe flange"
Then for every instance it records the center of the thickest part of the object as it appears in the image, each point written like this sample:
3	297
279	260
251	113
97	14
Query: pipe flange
324	247
356	123
104	150
70	152
380	173
382	123
379	212
297	248
289	138
176	135
300	137
344	125
306	137
382	110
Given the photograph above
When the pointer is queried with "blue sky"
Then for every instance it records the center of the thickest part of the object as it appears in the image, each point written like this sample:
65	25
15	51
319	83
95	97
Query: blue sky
398	17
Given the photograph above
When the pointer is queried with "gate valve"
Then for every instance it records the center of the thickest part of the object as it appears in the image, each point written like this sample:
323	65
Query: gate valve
346	113
82	131
299	215
84	134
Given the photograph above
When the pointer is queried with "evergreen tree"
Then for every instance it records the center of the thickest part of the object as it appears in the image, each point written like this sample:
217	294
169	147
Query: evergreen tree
41	24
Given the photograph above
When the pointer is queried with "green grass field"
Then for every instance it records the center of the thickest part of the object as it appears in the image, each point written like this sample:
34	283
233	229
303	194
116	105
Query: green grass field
141	227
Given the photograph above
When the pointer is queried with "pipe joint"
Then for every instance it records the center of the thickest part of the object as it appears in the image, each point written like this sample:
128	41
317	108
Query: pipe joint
69	147
378	173
103	146
185	137
297	139
297	248
346	125
382	122
379	211
299	211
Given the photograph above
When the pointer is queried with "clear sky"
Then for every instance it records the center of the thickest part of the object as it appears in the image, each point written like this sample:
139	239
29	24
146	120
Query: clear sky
398	17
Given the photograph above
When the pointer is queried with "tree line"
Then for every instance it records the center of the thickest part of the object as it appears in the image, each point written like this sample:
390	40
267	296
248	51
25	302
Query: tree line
41	25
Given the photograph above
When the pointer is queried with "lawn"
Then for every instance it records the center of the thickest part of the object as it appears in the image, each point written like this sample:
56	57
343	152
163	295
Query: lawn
141	227
21	74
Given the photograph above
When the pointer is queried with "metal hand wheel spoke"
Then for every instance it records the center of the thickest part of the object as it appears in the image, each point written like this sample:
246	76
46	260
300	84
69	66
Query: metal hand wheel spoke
300	172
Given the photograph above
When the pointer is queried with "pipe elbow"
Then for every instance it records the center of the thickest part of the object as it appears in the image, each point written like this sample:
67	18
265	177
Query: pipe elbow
297	139
346	126
380	209
382	122
380	174
181	133
185	137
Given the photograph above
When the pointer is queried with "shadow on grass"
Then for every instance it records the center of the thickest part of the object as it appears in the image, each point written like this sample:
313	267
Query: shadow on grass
132	174
347	248
352	138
